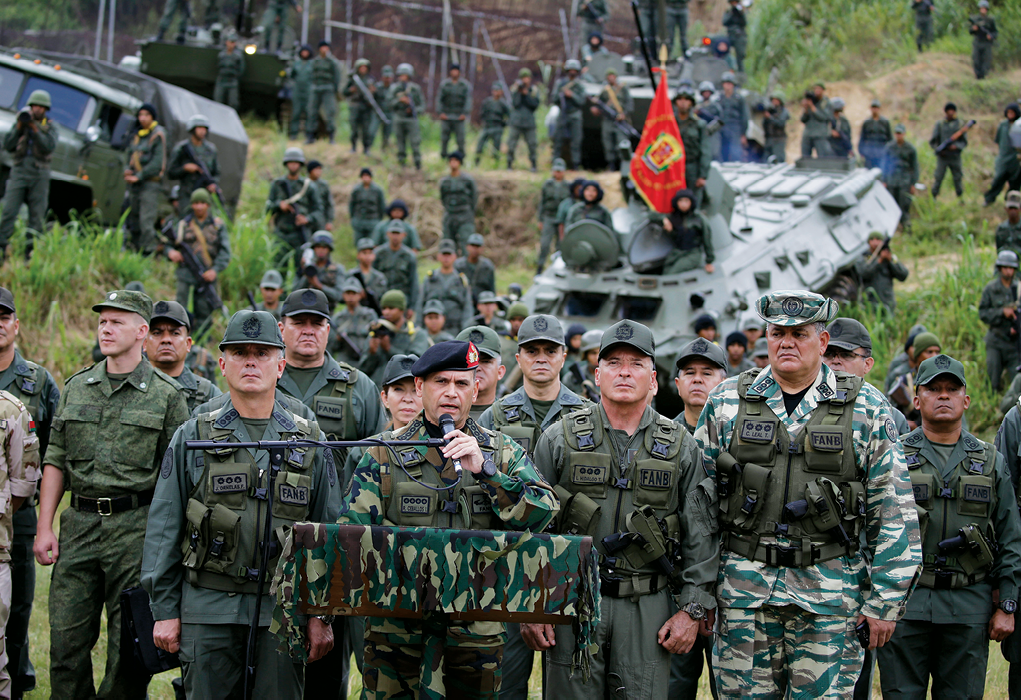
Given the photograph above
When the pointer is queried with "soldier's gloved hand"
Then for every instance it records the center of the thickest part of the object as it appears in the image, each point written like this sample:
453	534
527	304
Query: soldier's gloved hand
538	637
1001	626
677	635
880	631
320	639
166	635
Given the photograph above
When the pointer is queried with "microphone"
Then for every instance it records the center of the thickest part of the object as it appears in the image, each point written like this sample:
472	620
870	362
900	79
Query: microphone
447	425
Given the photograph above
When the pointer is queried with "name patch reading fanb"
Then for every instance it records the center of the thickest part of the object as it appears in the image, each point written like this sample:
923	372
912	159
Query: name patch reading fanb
654	478
293	495
588	475
974	492
827	442
415	505
758	430
230	483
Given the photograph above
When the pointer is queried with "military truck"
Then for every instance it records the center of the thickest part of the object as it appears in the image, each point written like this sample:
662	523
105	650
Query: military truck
781	226
94	102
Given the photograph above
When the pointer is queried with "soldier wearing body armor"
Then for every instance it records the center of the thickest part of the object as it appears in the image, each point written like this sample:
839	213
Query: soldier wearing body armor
448	286
494	485
288	203
804	460
167	346
480	270
459	195
454	106
406	102
398	263
208	240
971	542
569	95
193	161
491	368
349	327
203	545
360	112
624	474
35	387
950	157
393	334
618	97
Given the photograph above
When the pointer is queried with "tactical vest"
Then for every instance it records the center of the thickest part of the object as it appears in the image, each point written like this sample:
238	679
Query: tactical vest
807	489
335	411
962	505
223	529
513	422
208	247
455	193
28	387
407	503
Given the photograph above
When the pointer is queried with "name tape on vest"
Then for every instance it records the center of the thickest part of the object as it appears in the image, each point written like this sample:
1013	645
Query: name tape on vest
230	483
415	505
588	475
921	492
480	504
762	431
331	410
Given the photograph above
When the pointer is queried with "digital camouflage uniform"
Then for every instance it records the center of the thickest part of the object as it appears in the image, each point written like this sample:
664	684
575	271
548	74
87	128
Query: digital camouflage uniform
495	114
817	130
877	277
454	291
29	180
453	99
321	210
923	22
401	270
355	326
182	155
900	173
872	140
736	23
407	131
366	207
1001	343
147	160
553	193
459	196
210	243
524	102
983	38
950	158
791	624
609	129
285	223
436	659
774	124
481	275
109	443
300	76
323	97
1008	237
568	126
1008	169
230	67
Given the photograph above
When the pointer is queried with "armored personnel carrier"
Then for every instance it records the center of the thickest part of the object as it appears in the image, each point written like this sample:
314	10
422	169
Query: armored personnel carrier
782	226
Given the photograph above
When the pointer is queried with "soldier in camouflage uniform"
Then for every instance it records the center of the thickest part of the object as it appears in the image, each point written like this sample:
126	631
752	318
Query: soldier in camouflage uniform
321	211
207	238
406	102
398	264
366	205
230	67
1008	233
320	272
950	158
201	610
697	152
524	101
983	31
450	287
816	115
736	23
453	105
147	160
112	426
34	386
455	659
875	134
792	567
271	287
434	319
385	83
569	95
479	270
617	96
998	309
495	113
877	272
491	368
300	76
393	334
167	346
589	208
289	202
774	124
349	327
554	191
459	195
627	475
398	211
971	539
190	156
900	172
734	113
923	23
323	96
374	283
31	144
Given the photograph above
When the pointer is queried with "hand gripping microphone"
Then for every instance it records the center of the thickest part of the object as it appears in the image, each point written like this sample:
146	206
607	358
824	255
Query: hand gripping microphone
447	425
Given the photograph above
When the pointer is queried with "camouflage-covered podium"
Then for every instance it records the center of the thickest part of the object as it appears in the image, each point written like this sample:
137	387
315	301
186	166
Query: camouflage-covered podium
414	572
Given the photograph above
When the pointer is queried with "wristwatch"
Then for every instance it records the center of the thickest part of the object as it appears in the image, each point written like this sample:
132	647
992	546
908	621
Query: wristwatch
696	611
1008	606
488	468
325	619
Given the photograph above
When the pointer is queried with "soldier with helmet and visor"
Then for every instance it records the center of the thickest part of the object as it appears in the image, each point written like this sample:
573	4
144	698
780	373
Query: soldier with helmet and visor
193	161
31	142
209	242
289	203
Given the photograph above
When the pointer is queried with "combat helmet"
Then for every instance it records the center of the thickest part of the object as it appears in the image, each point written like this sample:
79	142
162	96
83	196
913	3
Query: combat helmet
362	62
294	155
572	64
406	69
39	98
728	77
1007	258
388	70
706	86
837	103
196	120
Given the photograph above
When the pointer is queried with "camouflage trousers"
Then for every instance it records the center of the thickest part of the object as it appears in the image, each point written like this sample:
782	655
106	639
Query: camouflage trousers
213	662
5	611
432	659
450	127
764	652
954	655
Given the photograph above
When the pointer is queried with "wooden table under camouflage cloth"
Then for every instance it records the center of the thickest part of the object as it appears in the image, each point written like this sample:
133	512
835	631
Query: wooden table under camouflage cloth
329	569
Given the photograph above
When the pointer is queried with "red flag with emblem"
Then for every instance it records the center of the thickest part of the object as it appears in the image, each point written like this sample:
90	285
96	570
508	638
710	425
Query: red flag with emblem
657	167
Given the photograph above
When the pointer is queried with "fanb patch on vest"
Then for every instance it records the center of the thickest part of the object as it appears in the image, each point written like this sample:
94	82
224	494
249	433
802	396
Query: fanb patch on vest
978	493
826	441
480	504
761	431
330	409
415	505
584	474
293	495
230	483
654	478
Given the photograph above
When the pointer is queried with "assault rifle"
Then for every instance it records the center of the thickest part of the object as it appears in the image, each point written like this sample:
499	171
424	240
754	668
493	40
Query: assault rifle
367	94
610	113
590	391
410	109
954	136
194	265
207	178
878	251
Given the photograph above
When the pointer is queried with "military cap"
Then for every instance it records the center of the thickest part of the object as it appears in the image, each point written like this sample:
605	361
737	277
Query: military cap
247	326
7	300
405	69
322	238
147	107
628	332
590	340
497	86
924	341
433	306
948	106
572	64
610	71
396	225
175	193
271	279
135	286
939	365
41	98
737	338
486	297
476	239
877	103
761	348
541	327
450	355
517	310
351	284
1013	200
900	129
524	73
704	321
848	334
365	244
306	301
454	66
294	155
398	368
1007	258
365	171
456	154
558	165
702	348
394	299
795	308
195	121
312	165
876	235
447	246
484	338
752	320
201	195
388	70
170	311
127	300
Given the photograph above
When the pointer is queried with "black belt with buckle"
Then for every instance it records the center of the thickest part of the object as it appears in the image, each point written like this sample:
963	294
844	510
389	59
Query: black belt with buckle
109	506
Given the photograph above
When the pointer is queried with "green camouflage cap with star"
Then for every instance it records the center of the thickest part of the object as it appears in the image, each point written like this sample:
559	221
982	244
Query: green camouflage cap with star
541	327
484	338
628	332
939	365
795	308
700	348
247	326
124	300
